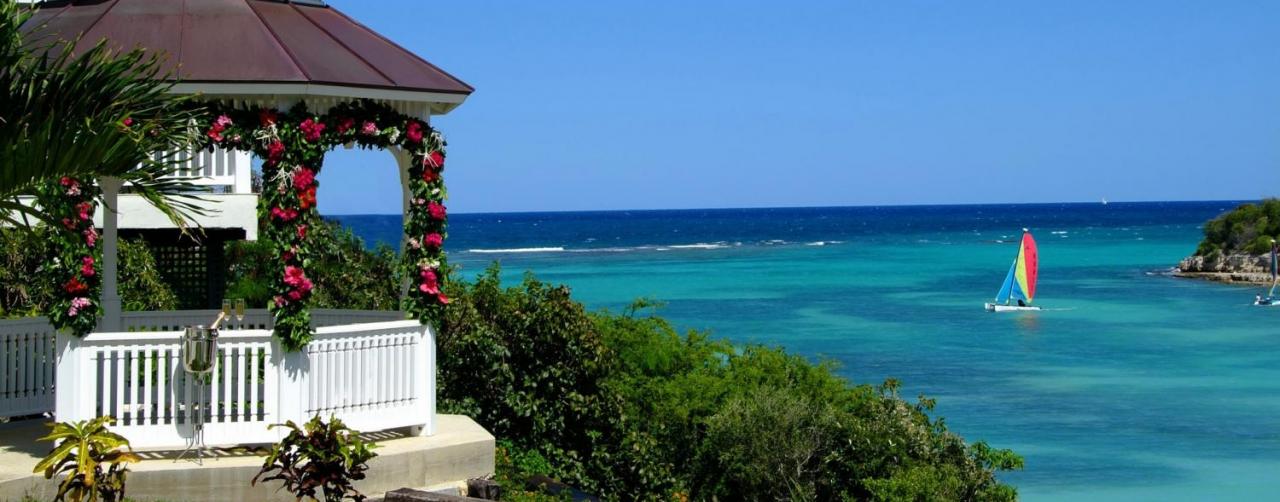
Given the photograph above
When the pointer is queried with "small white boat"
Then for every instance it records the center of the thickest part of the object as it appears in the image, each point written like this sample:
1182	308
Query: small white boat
1019	286
1271	300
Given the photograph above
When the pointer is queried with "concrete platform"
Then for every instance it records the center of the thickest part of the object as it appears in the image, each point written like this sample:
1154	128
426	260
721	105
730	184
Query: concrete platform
459	450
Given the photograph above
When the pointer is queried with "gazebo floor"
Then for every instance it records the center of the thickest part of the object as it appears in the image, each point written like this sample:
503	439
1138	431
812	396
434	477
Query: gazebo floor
459	450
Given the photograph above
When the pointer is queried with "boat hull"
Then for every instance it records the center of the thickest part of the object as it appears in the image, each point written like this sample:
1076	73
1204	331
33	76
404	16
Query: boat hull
995	307
1264	303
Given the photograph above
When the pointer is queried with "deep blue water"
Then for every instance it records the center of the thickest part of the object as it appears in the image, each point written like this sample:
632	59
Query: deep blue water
1132	385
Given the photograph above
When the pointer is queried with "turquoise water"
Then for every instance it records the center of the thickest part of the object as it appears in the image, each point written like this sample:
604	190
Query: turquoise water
1132	385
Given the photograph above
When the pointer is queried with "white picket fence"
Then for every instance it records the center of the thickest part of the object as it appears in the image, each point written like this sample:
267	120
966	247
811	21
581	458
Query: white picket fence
372	375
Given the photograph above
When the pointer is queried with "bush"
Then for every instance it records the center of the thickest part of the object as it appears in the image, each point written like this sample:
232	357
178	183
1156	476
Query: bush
346	274
626	407
318	457
21	252
1248	228
80	452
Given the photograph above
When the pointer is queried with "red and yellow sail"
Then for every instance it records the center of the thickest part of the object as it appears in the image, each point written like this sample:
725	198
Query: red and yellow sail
1027	267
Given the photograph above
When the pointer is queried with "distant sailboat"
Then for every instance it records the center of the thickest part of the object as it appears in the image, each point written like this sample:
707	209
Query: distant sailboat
1270	300
1104	201
1019	287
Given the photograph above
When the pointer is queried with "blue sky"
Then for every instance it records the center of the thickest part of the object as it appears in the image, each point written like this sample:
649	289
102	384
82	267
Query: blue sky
674	104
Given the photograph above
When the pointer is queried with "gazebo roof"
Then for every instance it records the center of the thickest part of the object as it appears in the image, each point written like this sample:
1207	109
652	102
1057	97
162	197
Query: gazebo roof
259	50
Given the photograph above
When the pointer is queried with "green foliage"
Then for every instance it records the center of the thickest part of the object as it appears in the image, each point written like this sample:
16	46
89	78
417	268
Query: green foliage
1248	228
319	457
22	254
346	274
513	468
79	453
626	407
141	286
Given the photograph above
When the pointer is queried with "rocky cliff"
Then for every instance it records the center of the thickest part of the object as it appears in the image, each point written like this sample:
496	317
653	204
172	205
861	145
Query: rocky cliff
1235	268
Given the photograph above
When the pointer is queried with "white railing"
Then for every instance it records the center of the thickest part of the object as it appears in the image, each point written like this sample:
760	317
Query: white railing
217	168
374	376
27	360
373	369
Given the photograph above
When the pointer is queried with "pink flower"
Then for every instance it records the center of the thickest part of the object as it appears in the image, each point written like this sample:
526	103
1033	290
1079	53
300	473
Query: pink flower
280	302
73	190
294	295
86	269
437	211
85	209
419	201
414	132
303	177
434	159
369	128
77	305
433	240
90	236
430	283
128	121
293	276
413	243
284	214
223	121
444	300
311	129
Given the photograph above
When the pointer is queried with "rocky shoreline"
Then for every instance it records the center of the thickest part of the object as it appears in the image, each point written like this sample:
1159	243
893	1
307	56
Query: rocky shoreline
1233	268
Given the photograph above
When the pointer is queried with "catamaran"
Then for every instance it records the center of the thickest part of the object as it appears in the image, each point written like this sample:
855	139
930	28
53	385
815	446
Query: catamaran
1019	286
1270	300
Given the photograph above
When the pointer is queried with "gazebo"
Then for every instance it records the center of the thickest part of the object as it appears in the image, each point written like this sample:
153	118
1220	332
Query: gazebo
286	81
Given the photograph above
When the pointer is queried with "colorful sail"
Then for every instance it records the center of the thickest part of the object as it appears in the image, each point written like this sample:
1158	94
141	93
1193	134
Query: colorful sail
1027	267
1275	269
1006	289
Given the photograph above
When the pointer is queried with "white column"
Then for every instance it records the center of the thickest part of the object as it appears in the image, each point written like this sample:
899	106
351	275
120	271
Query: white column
241	164
76	380
110	289
402	160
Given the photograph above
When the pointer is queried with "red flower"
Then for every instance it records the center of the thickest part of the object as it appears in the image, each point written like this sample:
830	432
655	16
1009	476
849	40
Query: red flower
311	130
434	159
295	295
437	211
215	133
266	117
444	300
369	128
302	232
67	222
66	182
433	240
429	175
414	131
284	214
75	287
345	124
307	199
303	177
127	122
287	256
86	267
275	150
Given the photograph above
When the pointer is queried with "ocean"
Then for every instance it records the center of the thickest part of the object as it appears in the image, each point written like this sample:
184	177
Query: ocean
1131	385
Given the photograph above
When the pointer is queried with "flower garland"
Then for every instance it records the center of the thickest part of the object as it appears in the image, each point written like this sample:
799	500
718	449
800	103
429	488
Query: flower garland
74	258
292	145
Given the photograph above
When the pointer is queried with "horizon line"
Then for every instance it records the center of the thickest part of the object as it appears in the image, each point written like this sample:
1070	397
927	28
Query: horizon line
962	204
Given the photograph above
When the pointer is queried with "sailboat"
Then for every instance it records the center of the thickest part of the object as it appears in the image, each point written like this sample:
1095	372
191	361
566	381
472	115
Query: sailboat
1270	300
1019	286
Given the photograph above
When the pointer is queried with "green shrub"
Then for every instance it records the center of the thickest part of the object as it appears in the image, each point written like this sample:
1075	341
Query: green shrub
141	287
1248	228
345	273
319	457
626	407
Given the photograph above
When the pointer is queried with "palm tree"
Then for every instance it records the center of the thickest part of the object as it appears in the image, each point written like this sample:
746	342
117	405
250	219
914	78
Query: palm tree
97	113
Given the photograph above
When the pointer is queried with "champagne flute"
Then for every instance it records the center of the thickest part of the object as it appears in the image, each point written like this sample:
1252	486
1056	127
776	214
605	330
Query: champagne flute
226	310
240	309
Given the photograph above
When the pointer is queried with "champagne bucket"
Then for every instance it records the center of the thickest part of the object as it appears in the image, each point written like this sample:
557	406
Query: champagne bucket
199	349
